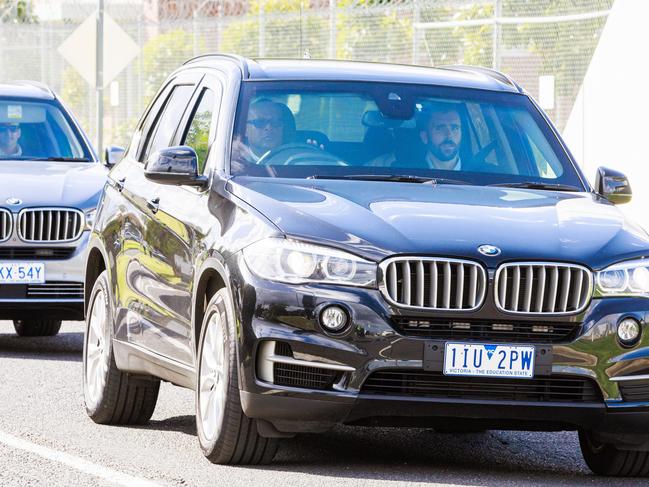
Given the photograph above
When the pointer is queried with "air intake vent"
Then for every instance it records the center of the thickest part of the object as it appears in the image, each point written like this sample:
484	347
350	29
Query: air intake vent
5	224
433	283
36	253
293	375
543	288
635	390
419	383
501	331
55	290
50	224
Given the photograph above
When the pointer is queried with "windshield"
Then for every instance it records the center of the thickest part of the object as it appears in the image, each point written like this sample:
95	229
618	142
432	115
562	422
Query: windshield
38	130
311	129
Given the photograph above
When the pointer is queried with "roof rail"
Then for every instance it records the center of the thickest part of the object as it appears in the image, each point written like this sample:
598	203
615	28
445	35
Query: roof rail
35	84
240	61
492	73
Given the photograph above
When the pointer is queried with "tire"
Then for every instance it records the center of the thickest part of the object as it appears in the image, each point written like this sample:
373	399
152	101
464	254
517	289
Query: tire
110	395
605	459
225	434
37	328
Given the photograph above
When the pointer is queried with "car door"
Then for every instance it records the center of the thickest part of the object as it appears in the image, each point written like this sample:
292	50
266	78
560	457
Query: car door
140	296
179	227
124	239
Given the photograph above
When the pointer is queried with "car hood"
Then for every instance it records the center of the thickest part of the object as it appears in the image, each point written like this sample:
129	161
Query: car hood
45	183
377	219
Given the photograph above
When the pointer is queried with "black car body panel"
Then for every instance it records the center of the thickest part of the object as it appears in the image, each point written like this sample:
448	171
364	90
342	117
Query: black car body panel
401	218
167	248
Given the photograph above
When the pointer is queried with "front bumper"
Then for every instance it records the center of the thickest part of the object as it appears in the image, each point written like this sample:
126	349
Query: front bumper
61	297
288	314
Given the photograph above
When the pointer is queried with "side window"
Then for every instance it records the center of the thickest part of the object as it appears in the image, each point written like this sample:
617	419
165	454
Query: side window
198	133
161	135
135	148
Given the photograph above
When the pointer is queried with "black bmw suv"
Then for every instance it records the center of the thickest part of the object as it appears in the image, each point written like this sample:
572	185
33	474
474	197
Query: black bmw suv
311	243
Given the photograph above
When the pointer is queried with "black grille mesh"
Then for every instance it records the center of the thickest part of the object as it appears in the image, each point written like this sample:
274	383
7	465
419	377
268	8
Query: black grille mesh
36	253
504	331
55	290
419	383
293	375
635	391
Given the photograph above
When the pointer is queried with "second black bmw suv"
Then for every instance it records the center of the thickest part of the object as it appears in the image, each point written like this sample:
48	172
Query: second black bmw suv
306	243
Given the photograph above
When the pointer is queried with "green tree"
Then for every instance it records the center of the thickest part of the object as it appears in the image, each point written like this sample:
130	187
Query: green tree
17	12
162	54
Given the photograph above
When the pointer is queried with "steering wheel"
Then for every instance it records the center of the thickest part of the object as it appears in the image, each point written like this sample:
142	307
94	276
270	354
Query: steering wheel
299	154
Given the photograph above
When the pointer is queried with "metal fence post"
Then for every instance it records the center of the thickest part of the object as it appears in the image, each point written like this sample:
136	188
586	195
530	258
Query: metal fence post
99	77
416	14
496	34
262	29
332	29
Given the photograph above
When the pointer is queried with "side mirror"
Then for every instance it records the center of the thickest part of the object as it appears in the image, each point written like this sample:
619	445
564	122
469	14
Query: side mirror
174	165
113	154
613	185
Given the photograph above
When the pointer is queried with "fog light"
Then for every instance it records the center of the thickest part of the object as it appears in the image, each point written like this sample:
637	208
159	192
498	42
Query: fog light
334	319
628	331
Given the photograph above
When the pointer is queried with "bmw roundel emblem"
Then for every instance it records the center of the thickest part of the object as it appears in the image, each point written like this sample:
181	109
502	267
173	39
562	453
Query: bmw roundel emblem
489	250
13	201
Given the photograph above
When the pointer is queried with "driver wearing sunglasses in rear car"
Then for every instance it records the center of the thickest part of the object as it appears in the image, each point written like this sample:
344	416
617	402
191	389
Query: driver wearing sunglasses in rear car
9	135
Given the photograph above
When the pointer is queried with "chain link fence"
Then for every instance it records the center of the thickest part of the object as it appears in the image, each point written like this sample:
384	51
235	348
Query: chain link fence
537	42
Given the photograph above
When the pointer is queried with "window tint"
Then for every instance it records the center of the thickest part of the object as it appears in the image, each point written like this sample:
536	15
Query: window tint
198	134
170	118
38	130
305	129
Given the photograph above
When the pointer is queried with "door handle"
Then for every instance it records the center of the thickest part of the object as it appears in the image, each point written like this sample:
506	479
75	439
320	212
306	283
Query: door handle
119	184
153	204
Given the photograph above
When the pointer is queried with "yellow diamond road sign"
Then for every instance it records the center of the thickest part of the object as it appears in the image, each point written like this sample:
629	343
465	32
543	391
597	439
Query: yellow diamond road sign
79	49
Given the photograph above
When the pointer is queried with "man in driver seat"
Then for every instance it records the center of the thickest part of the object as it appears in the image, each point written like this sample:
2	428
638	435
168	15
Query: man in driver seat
268	126
9	135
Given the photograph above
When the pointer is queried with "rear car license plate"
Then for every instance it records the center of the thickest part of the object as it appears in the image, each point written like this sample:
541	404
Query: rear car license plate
22	273
489	360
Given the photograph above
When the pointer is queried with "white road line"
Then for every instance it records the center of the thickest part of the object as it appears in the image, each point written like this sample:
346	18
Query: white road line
76	462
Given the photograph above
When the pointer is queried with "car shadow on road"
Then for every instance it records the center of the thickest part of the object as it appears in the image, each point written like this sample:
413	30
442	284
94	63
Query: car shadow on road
493	458
62	347
182	424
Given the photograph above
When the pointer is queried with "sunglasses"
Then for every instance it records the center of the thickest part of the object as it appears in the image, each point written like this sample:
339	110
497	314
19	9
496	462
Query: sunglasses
260	123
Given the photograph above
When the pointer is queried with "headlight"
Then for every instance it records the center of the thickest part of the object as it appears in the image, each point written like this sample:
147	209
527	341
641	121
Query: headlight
625	279
90	218
277	259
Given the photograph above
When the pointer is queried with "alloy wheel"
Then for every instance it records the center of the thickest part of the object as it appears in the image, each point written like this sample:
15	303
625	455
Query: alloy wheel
97	350
213	379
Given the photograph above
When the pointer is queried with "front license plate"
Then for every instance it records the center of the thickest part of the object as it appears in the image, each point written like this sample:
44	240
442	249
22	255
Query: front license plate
489	360
22	273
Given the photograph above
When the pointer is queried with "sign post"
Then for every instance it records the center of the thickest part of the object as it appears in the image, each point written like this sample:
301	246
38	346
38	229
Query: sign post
99	77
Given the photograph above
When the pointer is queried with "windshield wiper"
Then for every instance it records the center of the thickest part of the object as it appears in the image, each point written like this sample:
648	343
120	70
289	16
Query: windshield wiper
399	178
539	185
62	159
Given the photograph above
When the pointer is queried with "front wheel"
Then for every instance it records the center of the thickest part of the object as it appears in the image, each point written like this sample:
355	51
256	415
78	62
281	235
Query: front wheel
111	396
37	328
606	459
226	435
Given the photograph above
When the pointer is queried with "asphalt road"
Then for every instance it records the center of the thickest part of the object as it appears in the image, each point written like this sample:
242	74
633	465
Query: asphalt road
47	439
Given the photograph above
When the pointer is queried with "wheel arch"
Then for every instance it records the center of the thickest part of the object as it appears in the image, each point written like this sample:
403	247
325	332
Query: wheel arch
211	277
96	263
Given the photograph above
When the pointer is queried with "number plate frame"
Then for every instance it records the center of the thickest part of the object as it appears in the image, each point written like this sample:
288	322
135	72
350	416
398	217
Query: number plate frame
22	272
496	360
433	359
